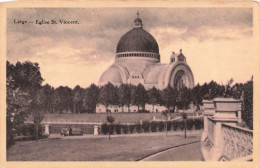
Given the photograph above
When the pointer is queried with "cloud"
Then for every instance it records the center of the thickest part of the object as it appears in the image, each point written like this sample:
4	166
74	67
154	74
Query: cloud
93	42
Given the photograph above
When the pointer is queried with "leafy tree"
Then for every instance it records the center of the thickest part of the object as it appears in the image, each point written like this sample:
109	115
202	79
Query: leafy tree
197	96
37	108
77	97
184	97
165	113
108	95
184	117
110	119
247	113
169	96
22	80
91	97
139	96
56	100
124	96
65	96
49	94
18	102
153	96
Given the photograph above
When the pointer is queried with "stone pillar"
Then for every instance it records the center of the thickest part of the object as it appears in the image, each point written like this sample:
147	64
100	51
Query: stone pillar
239	115
96	130
46	131
208	110
217	149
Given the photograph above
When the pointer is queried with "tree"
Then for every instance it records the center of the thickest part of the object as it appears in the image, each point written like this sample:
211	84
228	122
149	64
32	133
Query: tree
165	113
153	96
184	117
169	97
184	97
108	95
139	96
247	113
196	96
77	97
38	107
49	93
110	119
65	96
124	96
18	102
91	97
21	81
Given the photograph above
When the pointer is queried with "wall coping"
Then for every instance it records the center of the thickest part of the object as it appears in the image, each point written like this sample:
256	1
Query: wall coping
222	119
238	128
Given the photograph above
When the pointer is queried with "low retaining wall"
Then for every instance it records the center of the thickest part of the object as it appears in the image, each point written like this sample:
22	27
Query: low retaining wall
238	142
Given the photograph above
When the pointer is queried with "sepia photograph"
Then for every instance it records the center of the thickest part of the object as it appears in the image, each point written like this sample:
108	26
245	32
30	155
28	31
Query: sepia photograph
171	84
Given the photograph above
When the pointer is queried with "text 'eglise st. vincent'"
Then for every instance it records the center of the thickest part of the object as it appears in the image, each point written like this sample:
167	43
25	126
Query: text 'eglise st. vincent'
43	21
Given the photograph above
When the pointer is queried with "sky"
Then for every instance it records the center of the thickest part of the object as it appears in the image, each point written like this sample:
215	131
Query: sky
217	42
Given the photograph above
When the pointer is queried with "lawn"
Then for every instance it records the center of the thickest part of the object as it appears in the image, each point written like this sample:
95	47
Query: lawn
119	117
119	148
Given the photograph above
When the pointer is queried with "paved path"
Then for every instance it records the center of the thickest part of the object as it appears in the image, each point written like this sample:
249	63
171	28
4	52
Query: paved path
189	152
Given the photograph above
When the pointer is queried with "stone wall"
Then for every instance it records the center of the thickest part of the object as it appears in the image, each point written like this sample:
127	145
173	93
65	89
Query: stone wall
238	142
222	139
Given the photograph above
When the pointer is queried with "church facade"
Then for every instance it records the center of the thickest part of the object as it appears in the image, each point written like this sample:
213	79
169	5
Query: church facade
137	61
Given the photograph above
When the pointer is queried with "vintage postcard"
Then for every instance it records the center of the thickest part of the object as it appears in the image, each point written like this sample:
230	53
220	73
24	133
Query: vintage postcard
130	84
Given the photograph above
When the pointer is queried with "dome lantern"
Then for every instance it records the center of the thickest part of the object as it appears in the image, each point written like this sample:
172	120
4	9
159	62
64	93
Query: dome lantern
138	22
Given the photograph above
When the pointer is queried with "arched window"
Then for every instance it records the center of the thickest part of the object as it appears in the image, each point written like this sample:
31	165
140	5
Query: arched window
179	80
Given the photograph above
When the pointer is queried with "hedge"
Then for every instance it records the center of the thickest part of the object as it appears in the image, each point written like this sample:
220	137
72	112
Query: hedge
152	126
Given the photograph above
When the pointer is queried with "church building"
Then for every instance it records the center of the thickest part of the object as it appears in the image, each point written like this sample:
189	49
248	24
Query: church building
137	60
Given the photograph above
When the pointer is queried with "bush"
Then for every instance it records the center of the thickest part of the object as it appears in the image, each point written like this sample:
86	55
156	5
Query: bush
153	126
175	125
138	128
169	126
112	128
118	128
190	124
104	128
161	126
181	125
198	123
125	129
146	126
131	128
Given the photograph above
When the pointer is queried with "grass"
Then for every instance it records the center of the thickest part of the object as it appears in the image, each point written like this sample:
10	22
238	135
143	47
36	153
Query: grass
119	148
119	117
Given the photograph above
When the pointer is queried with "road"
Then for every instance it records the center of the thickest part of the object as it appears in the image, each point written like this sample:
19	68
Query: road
189	152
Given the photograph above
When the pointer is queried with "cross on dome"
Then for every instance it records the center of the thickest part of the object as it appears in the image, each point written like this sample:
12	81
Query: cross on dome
138	22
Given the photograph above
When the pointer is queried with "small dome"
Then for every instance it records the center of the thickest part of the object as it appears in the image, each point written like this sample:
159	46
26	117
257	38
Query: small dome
112	75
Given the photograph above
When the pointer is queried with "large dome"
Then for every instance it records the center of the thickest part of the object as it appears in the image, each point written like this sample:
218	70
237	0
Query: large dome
137	40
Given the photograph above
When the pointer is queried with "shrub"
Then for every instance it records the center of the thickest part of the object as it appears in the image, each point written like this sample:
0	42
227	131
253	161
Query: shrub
138	128
161	126
146	126
198	123
125	129
131	128
118	128
190	124
104	128
153	126
169	126
175	125
112	128
181	125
